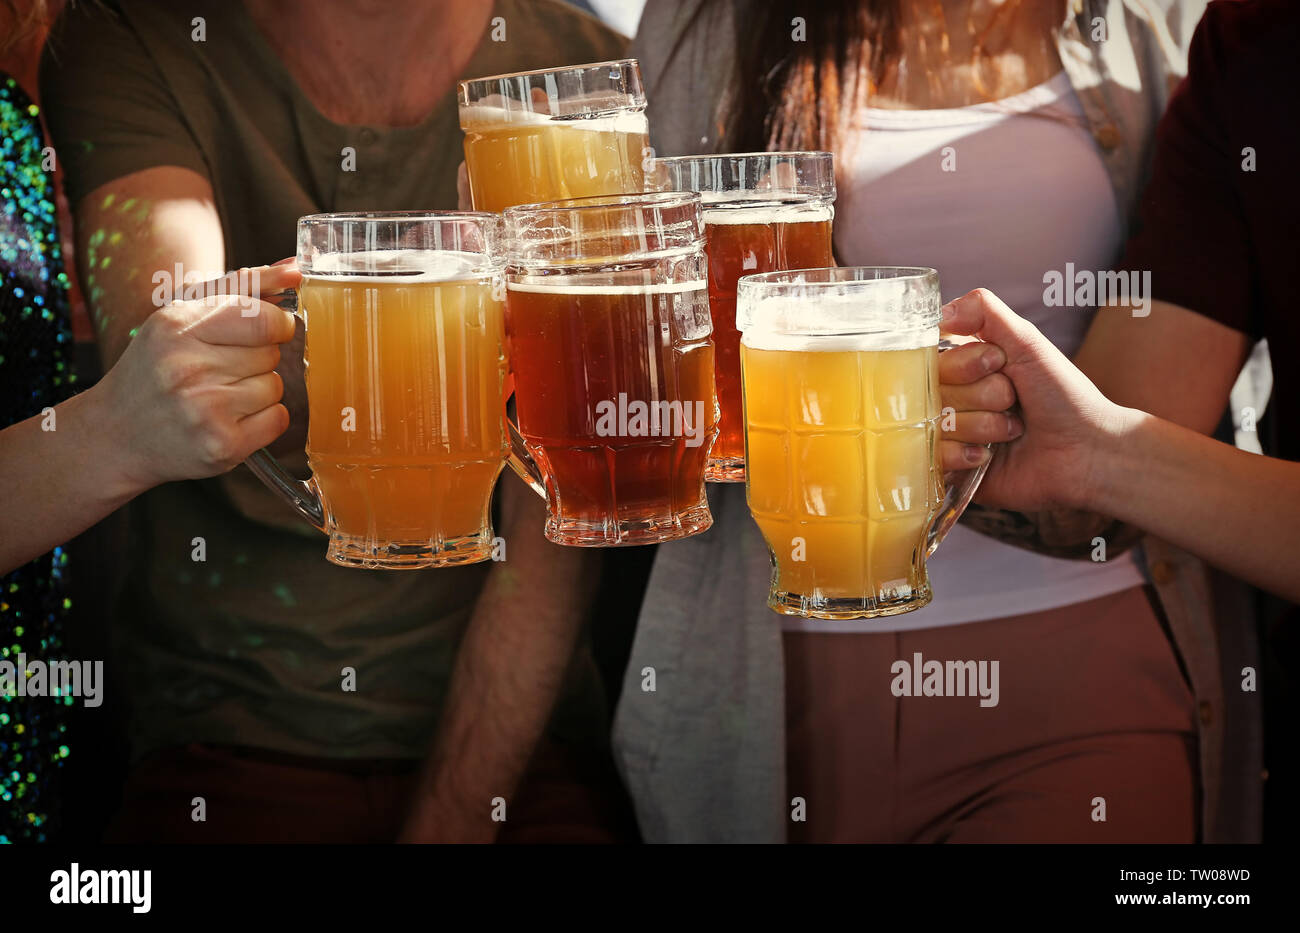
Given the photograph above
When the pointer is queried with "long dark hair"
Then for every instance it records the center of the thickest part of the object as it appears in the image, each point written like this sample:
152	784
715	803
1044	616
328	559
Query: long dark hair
799	92
795	94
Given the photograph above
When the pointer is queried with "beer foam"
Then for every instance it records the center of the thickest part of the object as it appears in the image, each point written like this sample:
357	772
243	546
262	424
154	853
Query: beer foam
840	343
481	118
399	265
824	319
765	211
657	288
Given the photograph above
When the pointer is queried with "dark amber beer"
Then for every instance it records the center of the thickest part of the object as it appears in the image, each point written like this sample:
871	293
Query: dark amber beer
607	455
740	242
607	319
763	212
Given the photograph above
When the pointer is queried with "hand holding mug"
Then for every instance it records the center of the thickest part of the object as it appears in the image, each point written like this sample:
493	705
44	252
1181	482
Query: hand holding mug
196	391
1059	416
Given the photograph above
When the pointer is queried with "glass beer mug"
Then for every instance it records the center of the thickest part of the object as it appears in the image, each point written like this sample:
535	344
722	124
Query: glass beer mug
763	212
405	376
546	135
607	318
842	427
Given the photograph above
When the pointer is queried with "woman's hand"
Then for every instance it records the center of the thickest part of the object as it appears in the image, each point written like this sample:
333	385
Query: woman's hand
196	390
1052	435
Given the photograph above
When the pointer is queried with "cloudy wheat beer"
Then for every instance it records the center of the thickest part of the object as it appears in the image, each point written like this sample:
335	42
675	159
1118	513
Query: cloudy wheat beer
551	135
608	324
763	212
840	373
405	371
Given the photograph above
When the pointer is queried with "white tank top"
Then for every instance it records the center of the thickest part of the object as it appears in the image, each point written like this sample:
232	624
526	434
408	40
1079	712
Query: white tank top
992	195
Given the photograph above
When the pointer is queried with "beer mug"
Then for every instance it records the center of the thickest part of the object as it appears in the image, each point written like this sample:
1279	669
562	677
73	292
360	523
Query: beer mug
607	319
547	135
405	377
842	423
763	212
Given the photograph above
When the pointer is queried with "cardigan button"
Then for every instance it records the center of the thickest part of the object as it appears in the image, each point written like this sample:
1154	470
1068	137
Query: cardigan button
1108	136
1163	572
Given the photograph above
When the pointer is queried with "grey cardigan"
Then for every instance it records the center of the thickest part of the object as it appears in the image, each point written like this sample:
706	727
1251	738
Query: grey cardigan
703	752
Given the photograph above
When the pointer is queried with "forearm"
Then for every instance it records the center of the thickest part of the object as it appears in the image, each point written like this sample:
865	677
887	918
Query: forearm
509	670
61	473
1065	533
1239	511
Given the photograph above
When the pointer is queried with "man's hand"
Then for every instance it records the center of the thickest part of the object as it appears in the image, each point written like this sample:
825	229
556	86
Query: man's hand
195	392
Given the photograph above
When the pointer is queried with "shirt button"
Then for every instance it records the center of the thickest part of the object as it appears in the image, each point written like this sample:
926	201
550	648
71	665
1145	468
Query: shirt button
1163	572
1108	136
1207	713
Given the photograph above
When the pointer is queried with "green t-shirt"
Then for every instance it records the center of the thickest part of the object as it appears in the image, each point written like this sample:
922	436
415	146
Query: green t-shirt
248	646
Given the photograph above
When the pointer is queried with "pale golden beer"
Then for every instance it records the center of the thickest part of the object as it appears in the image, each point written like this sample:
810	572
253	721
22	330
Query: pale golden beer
553	135
842	426
842	473
405	371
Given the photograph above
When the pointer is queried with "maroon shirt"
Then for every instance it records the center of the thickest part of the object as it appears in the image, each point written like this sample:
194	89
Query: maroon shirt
1219	239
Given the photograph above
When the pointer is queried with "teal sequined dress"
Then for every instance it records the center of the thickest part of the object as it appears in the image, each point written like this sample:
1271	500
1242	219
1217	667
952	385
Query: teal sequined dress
35	373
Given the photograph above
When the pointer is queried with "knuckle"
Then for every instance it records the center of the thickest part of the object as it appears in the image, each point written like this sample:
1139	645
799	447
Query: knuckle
168	321
198	410
259	322
1001	390
178	371
264	359
219	447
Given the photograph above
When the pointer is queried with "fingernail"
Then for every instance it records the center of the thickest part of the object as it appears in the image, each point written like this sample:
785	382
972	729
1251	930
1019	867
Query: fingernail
992	359
1015	427
946	312
975	454
285	260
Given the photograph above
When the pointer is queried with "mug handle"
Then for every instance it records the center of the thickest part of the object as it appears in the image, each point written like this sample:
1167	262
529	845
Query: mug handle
520	460
955	496
302	495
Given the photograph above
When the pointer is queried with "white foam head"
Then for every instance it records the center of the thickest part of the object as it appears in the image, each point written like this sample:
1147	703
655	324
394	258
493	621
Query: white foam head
764	211
559	286
485	117
838	317
400	265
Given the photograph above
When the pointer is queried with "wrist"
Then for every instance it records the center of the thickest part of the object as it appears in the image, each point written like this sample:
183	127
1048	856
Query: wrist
111	451
1107	457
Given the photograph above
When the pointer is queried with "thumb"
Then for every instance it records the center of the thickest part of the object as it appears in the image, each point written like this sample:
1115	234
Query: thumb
982	314
278	277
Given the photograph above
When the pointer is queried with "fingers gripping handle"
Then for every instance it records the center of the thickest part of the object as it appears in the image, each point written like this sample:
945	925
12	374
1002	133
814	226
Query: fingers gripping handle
958	490
303	496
